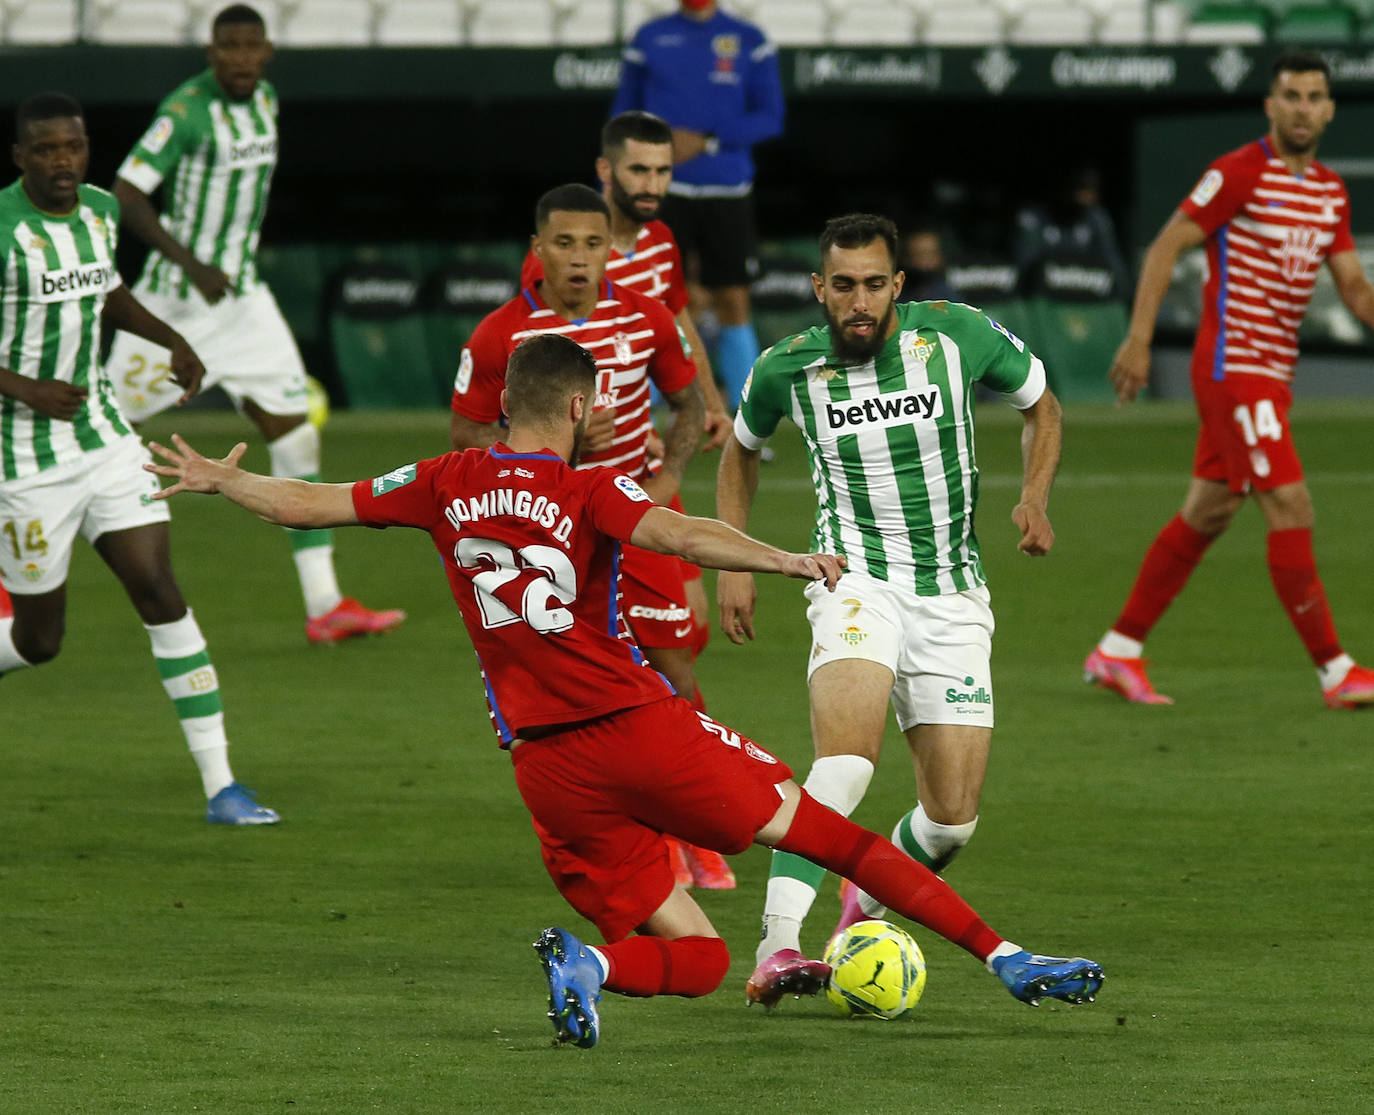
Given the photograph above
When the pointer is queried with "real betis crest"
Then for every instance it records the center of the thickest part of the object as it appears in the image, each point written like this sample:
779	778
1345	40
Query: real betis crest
922	348
826	374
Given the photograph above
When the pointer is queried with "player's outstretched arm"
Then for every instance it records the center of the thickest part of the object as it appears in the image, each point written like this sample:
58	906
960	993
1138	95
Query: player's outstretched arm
1352	285
278	499
1041	439
1130	370
716	545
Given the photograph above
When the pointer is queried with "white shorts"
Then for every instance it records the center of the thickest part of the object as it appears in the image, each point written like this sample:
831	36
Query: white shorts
41	515
244	343
938	648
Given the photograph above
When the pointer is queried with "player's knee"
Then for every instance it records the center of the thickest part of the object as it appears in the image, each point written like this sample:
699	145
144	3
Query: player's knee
839	781
296	452
710	960
37	645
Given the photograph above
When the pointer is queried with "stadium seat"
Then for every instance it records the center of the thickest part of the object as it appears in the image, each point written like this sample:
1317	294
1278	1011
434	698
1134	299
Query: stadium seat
138	21
420	23
324	23
586	23
454	300
964	25
1052	23
378	339
513	23
1318	24
295	273
1122	22
794	22
1228	23
874	24
40	22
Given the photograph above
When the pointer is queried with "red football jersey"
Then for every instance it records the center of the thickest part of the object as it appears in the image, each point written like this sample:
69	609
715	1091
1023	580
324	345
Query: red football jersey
633	338
1269	232
653	268
531	549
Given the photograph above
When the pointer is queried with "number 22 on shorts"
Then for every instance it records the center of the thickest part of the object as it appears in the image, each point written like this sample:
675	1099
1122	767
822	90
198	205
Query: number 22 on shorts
1259	421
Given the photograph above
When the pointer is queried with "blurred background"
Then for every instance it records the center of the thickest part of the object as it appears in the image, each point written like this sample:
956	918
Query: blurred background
1031	149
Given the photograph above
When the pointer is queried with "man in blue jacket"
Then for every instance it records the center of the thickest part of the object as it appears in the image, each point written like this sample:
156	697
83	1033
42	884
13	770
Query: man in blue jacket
715	79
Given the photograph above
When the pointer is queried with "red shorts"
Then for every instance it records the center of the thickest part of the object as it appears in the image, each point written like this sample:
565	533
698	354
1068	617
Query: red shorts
1244	440
603	794
653	598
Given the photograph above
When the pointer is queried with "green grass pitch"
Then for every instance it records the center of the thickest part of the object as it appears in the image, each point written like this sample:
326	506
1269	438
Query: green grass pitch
373	952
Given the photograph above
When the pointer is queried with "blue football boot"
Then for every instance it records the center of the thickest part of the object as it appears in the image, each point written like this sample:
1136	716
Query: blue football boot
574	987
1032	978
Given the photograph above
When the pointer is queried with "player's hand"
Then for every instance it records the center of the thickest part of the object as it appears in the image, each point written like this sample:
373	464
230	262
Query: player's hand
653	447
1130	370
736	595
816	567
717	428
1037	536
600	431
54	397
192	471
187	369
212	283
687	144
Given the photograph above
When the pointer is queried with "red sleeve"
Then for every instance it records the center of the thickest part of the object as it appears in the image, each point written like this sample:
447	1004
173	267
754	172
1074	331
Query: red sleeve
1344	240
482	372
403	497
1224	188
531	271
671	368
615	503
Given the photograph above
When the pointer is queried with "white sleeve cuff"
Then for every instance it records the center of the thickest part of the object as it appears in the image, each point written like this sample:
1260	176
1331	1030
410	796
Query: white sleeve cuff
1028	394
746	436
138	173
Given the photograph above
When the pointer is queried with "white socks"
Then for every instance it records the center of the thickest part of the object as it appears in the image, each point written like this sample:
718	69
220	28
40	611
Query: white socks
189	678
10	658
1115	645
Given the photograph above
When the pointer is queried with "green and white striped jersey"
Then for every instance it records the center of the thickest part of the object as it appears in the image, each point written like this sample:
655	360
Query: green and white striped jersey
54	275
891	441
220	155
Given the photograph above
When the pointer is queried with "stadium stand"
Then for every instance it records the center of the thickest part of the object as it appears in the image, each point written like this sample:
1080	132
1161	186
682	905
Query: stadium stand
792	23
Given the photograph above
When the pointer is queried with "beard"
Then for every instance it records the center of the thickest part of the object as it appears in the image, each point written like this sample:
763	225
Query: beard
579	432
623	200
858	350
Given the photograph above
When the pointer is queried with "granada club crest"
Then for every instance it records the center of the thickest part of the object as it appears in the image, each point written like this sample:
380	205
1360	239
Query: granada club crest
726	49
1301	252
623	350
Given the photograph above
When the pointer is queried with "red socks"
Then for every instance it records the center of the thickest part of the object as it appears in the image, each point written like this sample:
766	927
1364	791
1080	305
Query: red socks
1168	564
889	875
687	966
1293	569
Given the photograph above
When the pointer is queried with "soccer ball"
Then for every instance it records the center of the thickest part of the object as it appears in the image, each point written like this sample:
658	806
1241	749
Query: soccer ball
316	402
875	969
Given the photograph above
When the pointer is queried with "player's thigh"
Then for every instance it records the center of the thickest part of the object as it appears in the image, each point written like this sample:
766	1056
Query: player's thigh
951	761
729	244
141	374
40	518
611	868
253	355
944	674
855	649
1245	439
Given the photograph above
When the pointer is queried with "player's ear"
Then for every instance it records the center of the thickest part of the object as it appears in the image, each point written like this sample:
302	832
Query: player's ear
603	170
898	281
504	409
534	247
818	285
577	407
